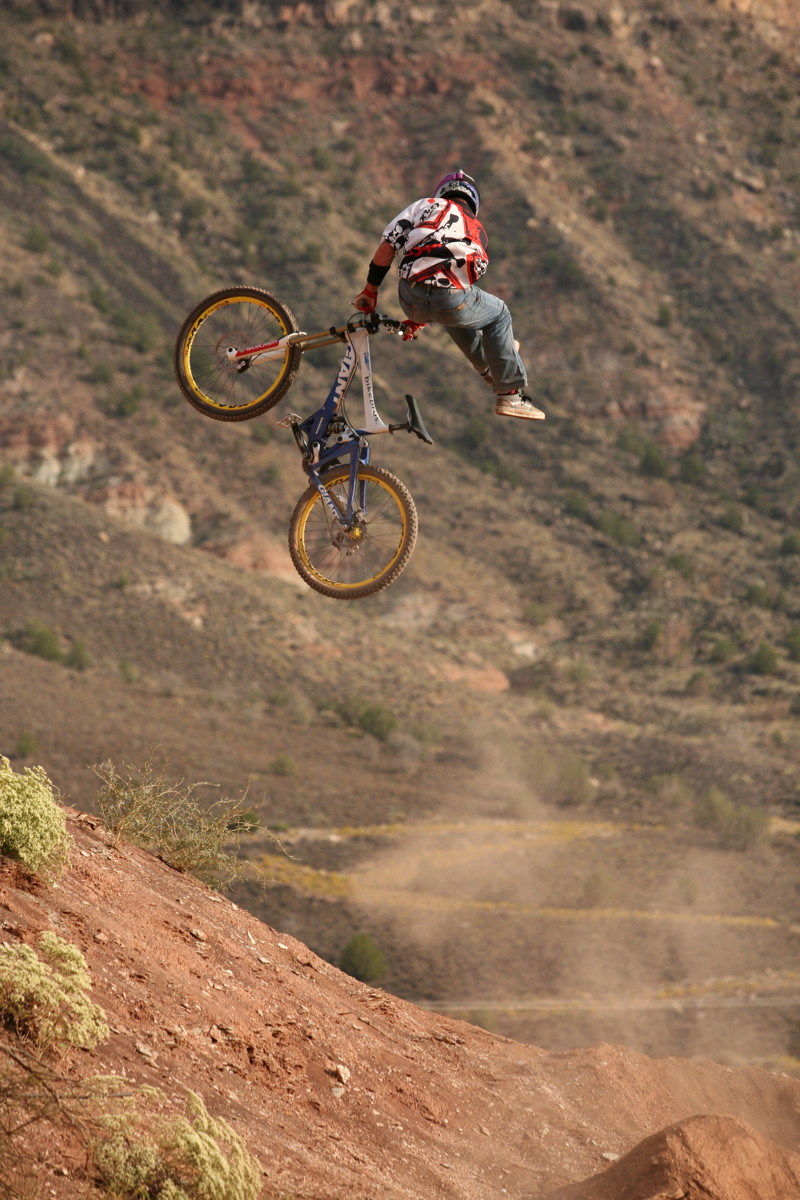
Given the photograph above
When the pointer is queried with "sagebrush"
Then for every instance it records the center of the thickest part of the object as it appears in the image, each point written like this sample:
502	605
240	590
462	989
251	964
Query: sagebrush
32	825
145	1151
44	997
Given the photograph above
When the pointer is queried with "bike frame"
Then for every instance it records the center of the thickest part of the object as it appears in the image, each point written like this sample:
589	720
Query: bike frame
327	436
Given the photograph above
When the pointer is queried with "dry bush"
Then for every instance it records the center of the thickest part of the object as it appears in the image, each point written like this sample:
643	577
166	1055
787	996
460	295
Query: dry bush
144	807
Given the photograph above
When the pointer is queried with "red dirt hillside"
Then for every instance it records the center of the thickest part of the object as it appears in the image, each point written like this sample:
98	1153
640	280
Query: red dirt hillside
343	1091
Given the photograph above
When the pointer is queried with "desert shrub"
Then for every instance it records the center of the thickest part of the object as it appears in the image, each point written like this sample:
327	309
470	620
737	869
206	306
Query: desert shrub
758	595
618	528
680	563
77	657
128	671
44	997
738	826
362	959
566	273
652	635
763	660
722	650
42	640
7	473
731	518
793	645
534	613
284	765
139	331
377	720
575	504
27	744
146	1153
654	462
23	497
37	240
32	826
167	818
599	889
692	468
790	544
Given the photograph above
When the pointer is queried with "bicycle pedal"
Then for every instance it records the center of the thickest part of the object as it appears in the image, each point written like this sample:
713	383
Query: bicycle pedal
289	420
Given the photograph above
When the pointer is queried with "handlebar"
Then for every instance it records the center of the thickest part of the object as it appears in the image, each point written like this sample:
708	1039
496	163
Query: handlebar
371	322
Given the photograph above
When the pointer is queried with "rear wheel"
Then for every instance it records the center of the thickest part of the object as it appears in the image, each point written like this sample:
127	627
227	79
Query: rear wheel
351	564
235	389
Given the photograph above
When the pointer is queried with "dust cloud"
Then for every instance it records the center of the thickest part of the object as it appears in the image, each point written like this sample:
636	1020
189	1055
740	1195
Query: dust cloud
545	921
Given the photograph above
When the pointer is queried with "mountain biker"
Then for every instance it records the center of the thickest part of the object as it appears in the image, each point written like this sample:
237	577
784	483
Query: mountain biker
443	248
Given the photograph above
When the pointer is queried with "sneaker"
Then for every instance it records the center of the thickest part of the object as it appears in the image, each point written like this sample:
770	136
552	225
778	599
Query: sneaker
516	404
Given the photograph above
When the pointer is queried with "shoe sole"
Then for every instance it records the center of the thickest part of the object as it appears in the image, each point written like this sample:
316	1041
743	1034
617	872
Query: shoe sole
525	416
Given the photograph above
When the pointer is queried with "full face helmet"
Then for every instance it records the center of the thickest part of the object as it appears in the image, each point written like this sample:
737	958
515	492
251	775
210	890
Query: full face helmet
459	186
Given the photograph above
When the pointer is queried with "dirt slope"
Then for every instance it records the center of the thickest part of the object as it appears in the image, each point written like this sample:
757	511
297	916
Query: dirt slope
341	1090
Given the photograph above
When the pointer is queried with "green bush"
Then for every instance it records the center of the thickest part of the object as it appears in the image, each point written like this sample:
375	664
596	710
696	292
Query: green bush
147	1153
37	240
793	645
576	505
790	544
42	640
362	959
731	518
664	315
32	826
722	650
680	563
692	468
618	528
738	826
377	720
534	613
283	764
77	657
654	462
167	818
27	744
758	595
45	997
23	497
763	660
652	635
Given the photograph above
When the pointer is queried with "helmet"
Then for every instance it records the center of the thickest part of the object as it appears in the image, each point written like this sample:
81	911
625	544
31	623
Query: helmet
459	186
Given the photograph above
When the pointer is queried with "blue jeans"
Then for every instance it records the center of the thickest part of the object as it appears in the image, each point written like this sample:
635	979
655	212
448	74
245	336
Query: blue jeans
479	324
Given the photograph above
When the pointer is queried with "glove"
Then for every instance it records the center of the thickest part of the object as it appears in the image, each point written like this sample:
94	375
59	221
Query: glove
366	299
411	329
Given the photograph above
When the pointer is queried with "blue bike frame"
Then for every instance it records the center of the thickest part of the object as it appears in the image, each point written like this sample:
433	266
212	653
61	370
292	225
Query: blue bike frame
327	436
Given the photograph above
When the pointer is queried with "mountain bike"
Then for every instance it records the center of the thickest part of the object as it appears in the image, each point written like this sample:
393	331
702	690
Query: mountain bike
237	354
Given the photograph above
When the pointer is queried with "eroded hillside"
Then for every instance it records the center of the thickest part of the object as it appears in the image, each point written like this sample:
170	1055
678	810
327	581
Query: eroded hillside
340	1089
601	616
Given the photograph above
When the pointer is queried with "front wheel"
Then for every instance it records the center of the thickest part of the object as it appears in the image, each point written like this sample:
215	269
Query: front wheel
348	564
235	389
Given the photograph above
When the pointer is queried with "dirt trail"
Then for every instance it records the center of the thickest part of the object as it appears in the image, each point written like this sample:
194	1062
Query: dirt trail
342	1090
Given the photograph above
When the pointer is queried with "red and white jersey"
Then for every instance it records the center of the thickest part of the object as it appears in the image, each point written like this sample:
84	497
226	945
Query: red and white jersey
440	242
